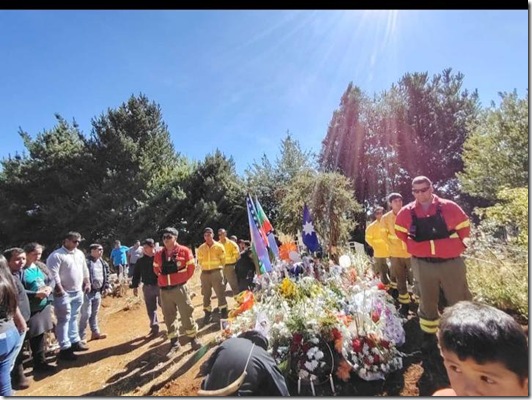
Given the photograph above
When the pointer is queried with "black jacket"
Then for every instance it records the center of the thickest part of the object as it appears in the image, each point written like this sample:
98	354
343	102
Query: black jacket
227	363
144	271
105	284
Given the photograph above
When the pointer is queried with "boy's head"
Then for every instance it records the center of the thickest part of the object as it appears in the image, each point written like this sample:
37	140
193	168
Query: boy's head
485	351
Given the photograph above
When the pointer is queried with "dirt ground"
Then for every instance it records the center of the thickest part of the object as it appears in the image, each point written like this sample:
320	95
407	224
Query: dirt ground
129	363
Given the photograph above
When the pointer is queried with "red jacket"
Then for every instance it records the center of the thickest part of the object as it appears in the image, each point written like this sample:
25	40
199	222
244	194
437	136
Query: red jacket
182	265
455	219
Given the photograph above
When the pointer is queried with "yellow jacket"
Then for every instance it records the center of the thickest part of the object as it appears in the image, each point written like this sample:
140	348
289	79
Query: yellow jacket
232	252
210	258
376	237
396	246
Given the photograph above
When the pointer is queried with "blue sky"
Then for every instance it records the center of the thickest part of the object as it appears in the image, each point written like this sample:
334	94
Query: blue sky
238	80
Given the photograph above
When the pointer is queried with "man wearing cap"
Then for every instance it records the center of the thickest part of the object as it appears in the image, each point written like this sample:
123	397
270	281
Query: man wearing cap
232	254
150	289
399	257
434	230
69	270
99	280
174	266
211	259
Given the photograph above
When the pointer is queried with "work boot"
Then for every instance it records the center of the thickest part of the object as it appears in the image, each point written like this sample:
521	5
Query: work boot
429	343
208	318
67	355
394	293
403	311
174	347
18	379
195	344
223	313
40	364
79	346
154	331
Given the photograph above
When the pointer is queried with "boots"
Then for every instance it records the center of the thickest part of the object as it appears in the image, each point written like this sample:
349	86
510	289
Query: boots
18	379
208	318
174	347
195	344
223	313
403	311
40	364
429	344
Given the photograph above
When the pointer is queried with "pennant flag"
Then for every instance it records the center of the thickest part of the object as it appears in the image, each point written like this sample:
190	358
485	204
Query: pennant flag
259	241
310	239
267	227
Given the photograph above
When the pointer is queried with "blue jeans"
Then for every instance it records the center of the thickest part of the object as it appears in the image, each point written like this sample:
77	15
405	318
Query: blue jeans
8	353
89	312
67	309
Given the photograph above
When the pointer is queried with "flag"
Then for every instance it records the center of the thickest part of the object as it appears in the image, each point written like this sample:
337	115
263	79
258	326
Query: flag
267	227
310	239
257	239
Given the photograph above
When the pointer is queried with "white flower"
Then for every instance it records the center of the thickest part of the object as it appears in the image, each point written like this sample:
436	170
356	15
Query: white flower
319	355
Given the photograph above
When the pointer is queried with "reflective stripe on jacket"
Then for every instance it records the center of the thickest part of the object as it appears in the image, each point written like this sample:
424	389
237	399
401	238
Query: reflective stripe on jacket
454	217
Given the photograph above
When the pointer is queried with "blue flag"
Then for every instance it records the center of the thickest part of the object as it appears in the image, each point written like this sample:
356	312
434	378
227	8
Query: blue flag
310	239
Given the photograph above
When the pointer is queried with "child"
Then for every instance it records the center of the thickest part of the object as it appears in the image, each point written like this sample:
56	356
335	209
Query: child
485	351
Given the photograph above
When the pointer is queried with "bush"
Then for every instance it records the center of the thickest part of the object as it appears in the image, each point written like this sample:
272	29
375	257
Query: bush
497	273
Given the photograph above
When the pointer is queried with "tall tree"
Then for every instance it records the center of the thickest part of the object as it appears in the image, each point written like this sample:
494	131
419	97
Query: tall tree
267	180
496	152
133	160
43	193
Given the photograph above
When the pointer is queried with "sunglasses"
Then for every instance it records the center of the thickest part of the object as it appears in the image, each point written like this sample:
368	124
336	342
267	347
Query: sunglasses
75	240
421	190
167	237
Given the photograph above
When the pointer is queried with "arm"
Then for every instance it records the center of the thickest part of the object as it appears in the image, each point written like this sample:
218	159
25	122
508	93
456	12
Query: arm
191	266
136	273
402	224
157	261
222	255
19	321
462	226
369	235
86	276
54	265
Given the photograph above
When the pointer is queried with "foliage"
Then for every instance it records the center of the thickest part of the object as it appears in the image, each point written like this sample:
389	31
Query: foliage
496	152
43	194
267	180
497	273
330	198
418	127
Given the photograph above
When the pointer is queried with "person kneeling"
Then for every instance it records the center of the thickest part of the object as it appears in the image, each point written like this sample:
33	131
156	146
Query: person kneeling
241	366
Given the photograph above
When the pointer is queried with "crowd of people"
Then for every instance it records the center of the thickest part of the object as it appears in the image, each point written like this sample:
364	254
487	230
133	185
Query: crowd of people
418	245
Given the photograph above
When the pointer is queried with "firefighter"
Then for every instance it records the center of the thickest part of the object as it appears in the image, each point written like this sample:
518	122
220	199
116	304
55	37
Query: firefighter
434	230
399	257
376	238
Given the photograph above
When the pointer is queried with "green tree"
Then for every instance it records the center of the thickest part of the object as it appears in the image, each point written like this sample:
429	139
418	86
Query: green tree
132	162
43	193
268	180
330	197
496	152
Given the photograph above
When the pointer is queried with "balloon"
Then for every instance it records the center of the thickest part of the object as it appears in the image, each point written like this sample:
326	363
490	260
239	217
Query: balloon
345	261
294	256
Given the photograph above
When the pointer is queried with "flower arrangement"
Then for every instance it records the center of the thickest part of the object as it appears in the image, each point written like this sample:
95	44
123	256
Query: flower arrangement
340	323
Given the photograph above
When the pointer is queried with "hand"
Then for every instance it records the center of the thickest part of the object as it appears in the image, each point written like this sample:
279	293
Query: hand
87	287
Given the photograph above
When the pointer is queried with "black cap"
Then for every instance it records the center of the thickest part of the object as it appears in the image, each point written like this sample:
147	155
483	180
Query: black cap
171	231
149	242
208	230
